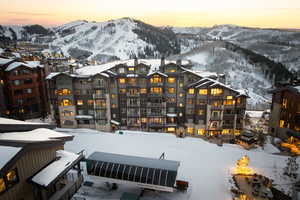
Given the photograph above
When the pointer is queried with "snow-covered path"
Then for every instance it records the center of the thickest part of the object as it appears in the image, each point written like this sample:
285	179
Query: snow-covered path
206	166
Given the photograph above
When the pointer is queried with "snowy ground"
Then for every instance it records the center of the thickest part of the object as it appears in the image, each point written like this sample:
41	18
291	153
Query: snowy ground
206	166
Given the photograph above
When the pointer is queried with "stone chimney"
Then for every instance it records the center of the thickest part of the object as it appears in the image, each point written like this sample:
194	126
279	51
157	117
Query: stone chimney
136	62
178	62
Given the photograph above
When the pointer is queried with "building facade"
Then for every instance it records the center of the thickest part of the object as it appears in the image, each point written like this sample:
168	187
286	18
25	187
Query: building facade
22	89
147	95
285	112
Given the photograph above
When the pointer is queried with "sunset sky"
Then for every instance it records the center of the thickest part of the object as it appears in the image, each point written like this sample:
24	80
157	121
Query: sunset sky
254	13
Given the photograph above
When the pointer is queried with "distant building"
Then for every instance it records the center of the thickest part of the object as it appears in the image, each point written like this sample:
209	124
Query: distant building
148	95
285	112
33	165
22	89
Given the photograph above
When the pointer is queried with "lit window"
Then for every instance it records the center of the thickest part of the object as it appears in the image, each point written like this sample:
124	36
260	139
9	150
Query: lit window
171	90
200	112
225	131
281	123
90	102
7	112
229	102
11	178
181	105
156	90
156	79
203	91
144	120
67	113
238	100
229	97
2	185
17	82
113	105
190	130
191	91
201	131
171	129
113	96
130	69
180	84
181	95
28	90
171	70
284	103
143	91
171	80
122	91
216	91
122	80
190	101
237	132
216	103
180	114
132	81
1	82
79	102
66	91
66	102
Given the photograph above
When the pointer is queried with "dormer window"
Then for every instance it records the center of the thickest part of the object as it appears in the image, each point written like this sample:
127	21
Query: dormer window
121	70
131	69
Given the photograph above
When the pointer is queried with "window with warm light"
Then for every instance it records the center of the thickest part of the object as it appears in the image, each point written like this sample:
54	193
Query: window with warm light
132	81
156	79
113	105
190	130
100	103
216	91
67	113
143	91
200	112
113	96
79	102
201	131
11	178
122	91
284	102
180	104
216	103
237	132
171	90
238	100
130	69
281	124
66	102
156	90
171	80
90	102
203	91
144	120
2	185
1	82
229	97
180	84
180	94
190	101
229	102
191	91
225	131
171	70
171	129
122	81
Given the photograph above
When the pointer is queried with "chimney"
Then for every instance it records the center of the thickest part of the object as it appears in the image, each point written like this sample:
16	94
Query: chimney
162	61
136	62
178	62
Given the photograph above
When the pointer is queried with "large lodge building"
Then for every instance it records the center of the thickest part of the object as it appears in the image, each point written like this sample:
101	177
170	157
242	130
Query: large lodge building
149	95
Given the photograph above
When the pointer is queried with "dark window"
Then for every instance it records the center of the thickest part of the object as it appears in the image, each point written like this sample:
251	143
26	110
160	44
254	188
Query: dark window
18	92
28	81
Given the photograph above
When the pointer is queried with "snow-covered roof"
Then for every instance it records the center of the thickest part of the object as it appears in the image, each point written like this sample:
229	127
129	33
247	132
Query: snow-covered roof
7	153
30	64
254	113
55	169
157	72
4	61
13	121
83	117
153	63
37	135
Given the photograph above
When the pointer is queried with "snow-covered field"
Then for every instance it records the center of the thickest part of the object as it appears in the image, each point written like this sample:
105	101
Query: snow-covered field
206	166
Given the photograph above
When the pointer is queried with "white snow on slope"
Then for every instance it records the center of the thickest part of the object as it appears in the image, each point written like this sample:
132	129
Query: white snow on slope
206	166
7	153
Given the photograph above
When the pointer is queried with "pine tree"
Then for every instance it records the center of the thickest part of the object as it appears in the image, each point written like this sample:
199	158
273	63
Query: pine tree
291	168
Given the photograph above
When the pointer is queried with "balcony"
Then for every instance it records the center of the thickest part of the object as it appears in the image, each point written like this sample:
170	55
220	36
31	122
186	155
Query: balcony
100	106
156	95
157	125
156	104
69	188
132	95
216	118
133	114
99	96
